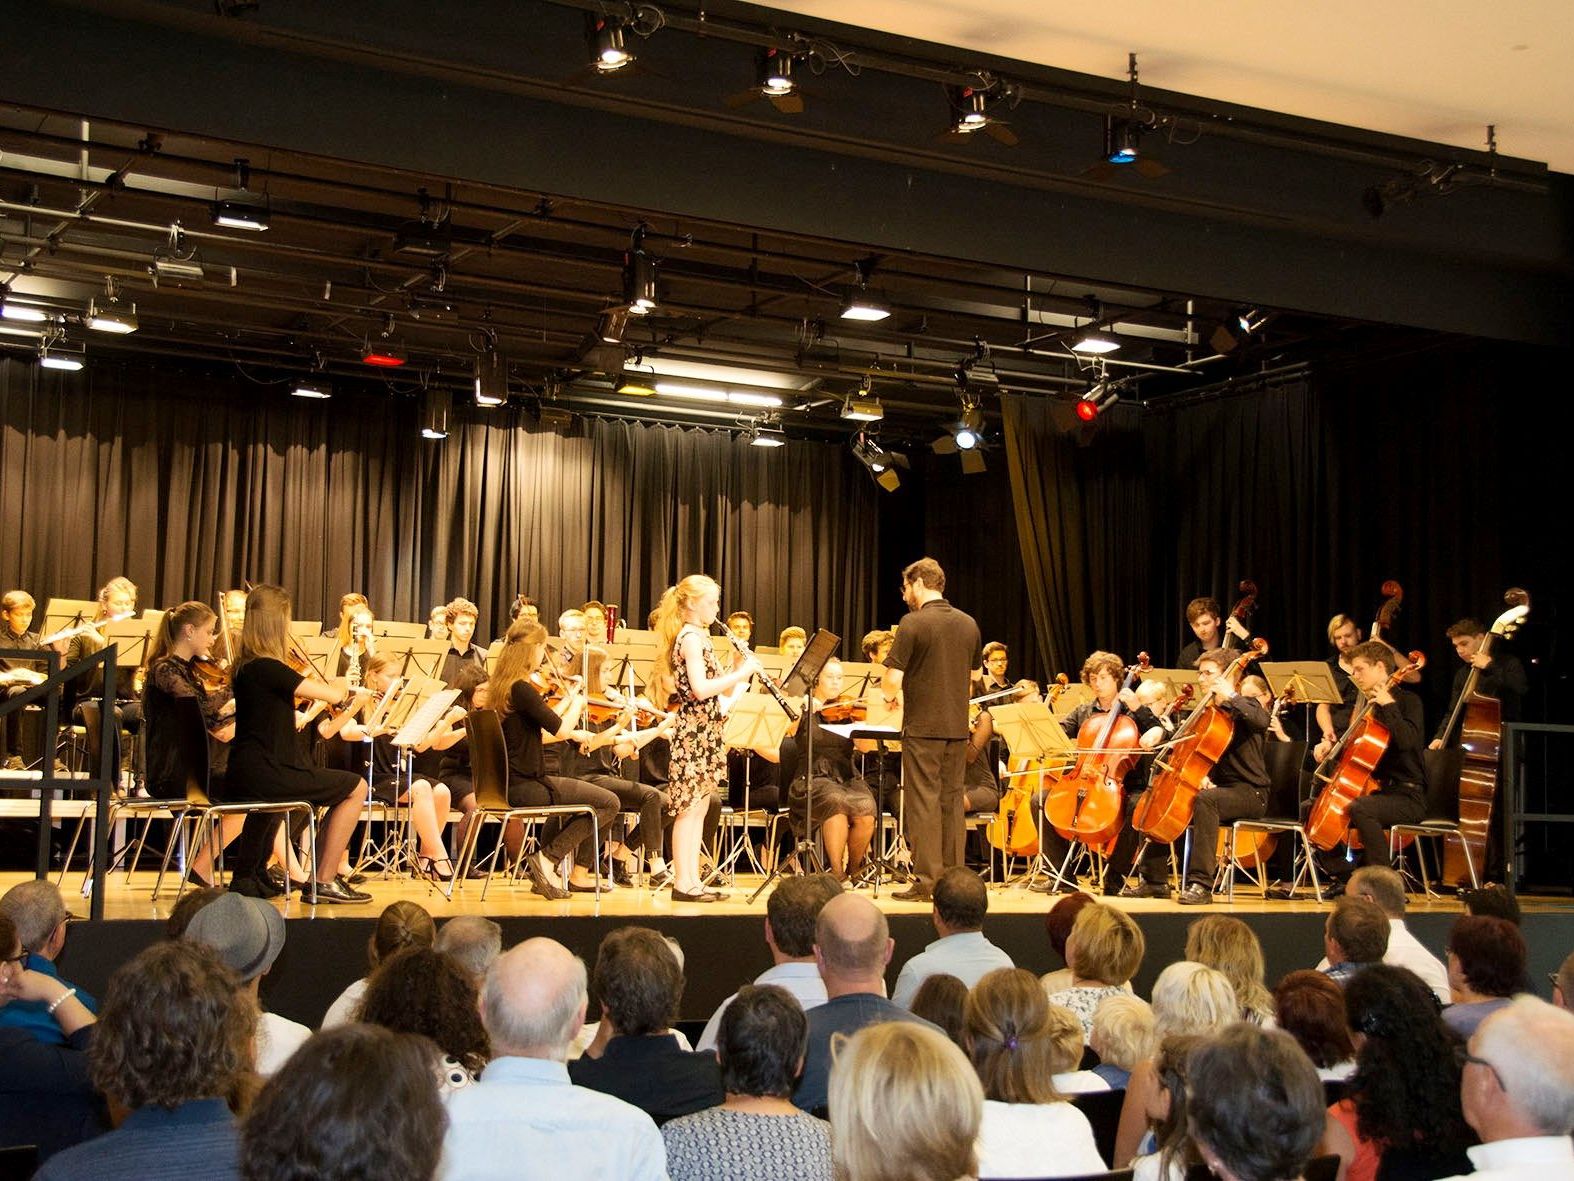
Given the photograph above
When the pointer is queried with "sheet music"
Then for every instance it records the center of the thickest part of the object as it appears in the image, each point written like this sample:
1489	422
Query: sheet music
422	719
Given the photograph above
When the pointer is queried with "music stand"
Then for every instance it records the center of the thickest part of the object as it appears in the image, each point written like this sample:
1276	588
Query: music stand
1031	731
61	614
390	628
308	629
1310	680
421	657
754	722
1070	697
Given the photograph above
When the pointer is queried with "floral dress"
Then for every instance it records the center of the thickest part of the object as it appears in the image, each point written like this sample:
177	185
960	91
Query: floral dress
699	757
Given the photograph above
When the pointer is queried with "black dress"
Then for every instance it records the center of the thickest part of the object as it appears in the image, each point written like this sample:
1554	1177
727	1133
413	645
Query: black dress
169	679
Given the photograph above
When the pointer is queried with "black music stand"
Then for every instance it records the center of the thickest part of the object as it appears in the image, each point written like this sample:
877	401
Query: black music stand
875	728
801	680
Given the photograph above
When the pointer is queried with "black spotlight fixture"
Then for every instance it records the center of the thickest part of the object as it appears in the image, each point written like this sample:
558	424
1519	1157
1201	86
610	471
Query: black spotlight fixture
1122	140
1101	395
608	37
639	276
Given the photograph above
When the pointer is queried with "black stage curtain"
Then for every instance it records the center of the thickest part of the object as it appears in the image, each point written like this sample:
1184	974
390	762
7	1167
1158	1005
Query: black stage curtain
188	480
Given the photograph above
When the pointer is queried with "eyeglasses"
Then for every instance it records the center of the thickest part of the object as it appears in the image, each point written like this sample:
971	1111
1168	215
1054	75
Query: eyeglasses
1483	1062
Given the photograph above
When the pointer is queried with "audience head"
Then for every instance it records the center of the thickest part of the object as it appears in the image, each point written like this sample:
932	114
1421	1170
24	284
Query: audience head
1229	945
402	924
638	980
1017	1040
533	1001
247	934
173	1028
1189	997
1105	945
1406	1082
792	910
187	905
1379	884
901	1083
353	1102
1171	1133
1309	1007
852	944
1122	1032
961	900
1563	983
761	1043
420	990
1492	900
1519	1078
1255	1105
1486	956
1356	932
1061	917
39	914
942	1000
472	942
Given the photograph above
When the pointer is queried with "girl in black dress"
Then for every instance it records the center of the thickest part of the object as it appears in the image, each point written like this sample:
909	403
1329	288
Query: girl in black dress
266	759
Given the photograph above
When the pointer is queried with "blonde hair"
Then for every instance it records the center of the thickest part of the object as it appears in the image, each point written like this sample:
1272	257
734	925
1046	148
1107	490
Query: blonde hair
520	655
267	628
791	633
1339	621
1228	944
1013	1039
347	620
119	583
193	613
669	618
381	662
1122	1032
1189	997
1105	944
901	1083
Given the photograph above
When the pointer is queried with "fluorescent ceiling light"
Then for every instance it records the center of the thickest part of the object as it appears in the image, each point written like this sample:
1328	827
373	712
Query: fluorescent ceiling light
746	398
727	375
112	318
312	389
24	313
697	393
177	268
60	355
240	215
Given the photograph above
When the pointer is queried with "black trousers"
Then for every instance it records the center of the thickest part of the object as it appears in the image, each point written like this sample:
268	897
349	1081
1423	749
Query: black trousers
632	796
1375	811
566	835
1213	807
933	770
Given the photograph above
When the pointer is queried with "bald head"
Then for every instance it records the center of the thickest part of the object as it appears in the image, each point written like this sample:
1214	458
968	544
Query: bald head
852	945
1529	1088
533	1001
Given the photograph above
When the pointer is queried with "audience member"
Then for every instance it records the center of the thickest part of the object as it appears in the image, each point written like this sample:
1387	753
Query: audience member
1517	1092
46	1097
1563	983
1486	966
1188	997
1355	936
402	924
172	1046
756	1134
472	942
1402	1102
1492	901
187	905
248	935
1228	944
524	1118
1254	1105
852	946
1019	1042
421	990
791	911
904	1106
1310	1008
960	902
1122	1036
352	1103
1384	886
1058	921
40	917
1171	1152
1105	949
942	1001
639	983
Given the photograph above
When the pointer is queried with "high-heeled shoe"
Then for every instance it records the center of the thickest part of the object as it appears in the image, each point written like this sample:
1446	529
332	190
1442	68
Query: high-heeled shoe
427	867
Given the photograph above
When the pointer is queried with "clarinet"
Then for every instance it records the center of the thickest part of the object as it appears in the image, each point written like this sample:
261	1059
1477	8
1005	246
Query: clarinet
771	686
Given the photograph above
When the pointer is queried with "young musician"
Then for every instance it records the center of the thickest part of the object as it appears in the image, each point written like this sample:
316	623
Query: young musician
1501	676
741	625
791	643
437	622
233	605
993	677
528	721
1344	635
1211	630
839	801
523	607
266	760
349	603
16	674
459	619
595	613
1256	688
573	631
117	599
1400	797
356	644
698	761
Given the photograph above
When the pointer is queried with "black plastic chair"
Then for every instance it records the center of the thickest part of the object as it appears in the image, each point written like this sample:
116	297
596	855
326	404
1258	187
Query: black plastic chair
1103	1111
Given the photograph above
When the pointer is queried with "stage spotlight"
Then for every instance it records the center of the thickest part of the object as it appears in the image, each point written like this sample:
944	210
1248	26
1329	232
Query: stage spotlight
767	436
1099	398
970	111
774	70
639	277
882	464
240	215
1095	343
62	354
435	405
860	303
608	38
863	406
612	324
491	378
1121	140
314	388
967	431
110	316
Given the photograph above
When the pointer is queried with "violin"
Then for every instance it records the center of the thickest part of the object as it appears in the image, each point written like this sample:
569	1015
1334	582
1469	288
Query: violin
841	710
213	676
1085	805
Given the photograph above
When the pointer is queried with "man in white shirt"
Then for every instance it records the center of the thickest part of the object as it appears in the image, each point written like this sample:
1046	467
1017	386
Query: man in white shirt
1385	887
961	901
1517	1091
790	914
523	1119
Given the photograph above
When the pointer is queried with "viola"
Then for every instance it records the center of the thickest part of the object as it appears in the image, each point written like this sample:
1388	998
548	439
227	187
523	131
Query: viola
1085	805
1349	767
1165	809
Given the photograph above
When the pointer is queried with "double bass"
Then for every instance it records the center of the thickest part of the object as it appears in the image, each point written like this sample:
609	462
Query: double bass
1086	804
1164	811
1482	740
1347	771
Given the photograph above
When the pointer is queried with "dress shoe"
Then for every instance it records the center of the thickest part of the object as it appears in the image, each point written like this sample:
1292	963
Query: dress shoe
1195	894
1332	890
352	879
334	892
254	887
703	896
540	882
619	873
1142	890
914	893
276	875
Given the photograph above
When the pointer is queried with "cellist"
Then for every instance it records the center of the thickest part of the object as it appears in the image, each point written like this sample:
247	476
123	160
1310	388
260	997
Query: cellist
1101	672
1401	796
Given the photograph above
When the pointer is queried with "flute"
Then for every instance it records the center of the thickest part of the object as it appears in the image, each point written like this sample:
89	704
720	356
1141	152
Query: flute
771	686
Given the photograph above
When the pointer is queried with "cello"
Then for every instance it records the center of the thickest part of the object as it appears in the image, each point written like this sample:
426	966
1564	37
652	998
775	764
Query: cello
1164	811
1349	767
1481	739
1085	805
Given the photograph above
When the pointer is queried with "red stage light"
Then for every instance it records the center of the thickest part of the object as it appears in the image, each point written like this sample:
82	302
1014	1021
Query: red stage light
382	358
1087	411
